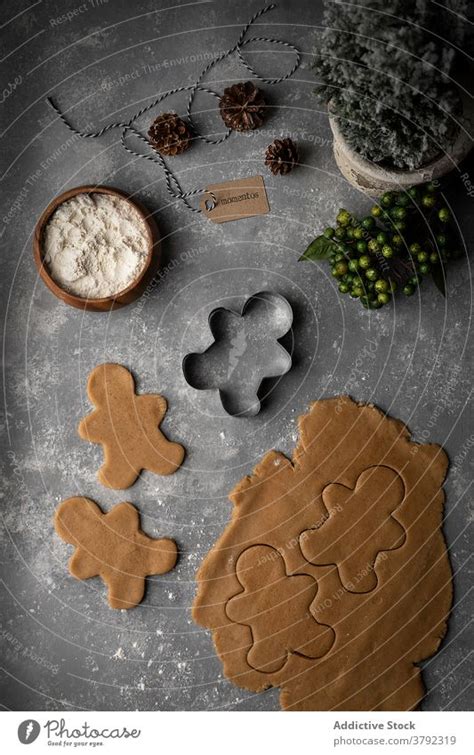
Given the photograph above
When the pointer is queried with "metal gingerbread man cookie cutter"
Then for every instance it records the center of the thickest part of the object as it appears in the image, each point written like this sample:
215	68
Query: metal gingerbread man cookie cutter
245	351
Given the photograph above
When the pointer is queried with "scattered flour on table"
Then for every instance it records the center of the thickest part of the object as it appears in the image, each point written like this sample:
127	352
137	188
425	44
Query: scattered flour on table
95	245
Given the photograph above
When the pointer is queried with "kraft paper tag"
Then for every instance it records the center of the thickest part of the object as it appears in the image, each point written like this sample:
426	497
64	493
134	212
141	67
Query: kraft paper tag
236	199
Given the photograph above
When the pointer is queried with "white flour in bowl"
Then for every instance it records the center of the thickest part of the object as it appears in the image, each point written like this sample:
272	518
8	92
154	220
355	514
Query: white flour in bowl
95	245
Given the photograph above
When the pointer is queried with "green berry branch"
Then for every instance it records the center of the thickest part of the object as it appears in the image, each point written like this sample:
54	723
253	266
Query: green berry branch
408	235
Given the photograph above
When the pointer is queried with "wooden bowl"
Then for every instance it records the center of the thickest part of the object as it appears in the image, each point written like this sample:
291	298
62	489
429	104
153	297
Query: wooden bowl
127	295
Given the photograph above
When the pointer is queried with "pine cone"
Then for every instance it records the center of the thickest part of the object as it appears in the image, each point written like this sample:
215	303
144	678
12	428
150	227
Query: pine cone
281	156
169	134
242	107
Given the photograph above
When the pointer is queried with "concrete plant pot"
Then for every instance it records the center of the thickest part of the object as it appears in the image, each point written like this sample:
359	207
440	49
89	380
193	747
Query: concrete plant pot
374	180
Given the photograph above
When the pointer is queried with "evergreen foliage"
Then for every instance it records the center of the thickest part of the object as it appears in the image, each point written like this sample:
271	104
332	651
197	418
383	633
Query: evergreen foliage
386	70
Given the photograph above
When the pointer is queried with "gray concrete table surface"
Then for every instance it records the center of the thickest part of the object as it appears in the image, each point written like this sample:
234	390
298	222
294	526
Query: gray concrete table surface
62	647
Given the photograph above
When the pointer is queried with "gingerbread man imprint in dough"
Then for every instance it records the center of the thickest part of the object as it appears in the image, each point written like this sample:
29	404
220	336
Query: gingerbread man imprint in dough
359	526
276	608
112	546
127	427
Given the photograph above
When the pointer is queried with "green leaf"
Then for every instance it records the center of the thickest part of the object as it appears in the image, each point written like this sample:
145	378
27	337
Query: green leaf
319	249
438	273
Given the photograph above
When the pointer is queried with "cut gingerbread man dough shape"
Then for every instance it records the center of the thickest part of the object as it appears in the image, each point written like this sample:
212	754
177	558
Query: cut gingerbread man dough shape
276	608
127	426
359	526
113	547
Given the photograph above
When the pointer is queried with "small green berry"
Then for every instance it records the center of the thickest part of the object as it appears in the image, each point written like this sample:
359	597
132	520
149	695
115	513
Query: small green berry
340	233
425	268
383	298
343	288
364	261
381	286
400	225
371	274
432	186
434	258
339	269
387	199
359	232
414	280
373	246
393	286
353	265
403	199
413	192
444	215
397	240
408	290
428	201
343	217
361	247
414	248
441	239
387	252
357	291
399	213
329	233
368	223
376	211
422	256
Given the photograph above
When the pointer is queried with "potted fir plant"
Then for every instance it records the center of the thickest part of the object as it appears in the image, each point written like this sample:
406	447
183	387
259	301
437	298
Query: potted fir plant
386	69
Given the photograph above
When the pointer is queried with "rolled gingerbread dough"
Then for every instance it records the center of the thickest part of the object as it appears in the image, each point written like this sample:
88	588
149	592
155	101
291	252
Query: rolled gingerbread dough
359	510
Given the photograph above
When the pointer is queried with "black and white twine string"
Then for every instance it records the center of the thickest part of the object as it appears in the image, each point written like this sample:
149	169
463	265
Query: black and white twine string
129	130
